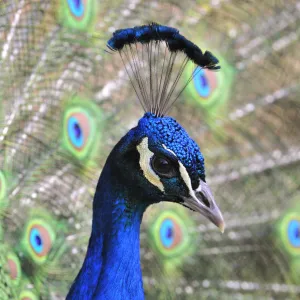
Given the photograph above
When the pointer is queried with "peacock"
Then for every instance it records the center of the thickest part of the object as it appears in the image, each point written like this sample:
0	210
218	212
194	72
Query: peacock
155	161
65	102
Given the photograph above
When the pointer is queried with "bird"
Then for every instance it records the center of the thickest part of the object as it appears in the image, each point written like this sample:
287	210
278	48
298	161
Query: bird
155	161
65	102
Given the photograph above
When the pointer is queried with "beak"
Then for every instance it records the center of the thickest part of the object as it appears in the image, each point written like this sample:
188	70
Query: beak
203	202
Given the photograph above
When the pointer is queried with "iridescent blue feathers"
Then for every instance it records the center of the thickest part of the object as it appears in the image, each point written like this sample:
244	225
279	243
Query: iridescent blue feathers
171	36
141	34
170	133
148	53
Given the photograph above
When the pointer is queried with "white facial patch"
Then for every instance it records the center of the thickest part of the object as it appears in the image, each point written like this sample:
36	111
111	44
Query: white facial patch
186	178
199	188
184	175
145	164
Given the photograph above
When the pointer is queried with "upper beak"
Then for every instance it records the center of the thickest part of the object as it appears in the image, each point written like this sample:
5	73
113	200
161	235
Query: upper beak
203	201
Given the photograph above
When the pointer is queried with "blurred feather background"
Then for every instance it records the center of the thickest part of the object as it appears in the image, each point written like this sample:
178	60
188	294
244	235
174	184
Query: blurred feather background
65	102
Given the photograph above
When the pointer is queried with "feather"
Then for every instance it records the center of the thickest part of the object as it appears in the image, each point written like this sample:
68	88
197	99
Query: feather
150	67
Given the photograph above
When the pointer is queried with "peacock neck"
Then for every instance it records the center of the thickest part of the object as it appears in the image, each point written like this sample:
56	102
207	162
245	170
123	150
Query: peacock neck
111	269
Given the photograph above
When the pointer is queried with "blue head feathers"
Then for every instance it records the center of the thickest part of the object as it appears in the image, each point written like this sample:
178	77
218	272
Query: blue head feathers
166	131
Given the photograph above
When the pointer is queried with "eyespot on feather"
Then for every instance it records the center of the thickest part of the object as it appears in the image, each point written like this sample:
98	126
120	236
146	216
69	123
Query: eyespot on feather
14	268
38	240
78	129
81	129
210	89
169	235
205	82
288	233
78	14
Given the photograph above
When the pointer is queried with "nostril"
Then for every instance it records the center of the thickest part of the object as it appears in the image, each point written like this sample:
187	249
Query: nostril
203	199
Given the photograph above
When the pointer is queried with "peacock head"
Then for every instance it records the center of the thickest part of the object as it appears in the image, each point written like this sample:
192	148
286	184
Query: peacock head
157	158
162	163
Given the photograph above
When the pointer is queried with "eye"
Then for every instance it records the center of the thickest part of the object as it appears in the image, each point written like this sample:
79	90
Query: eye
163	166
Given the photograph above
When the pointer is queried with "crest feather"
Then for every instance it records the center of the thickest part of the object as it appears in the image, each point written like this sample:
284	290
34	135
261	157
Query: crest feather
155	57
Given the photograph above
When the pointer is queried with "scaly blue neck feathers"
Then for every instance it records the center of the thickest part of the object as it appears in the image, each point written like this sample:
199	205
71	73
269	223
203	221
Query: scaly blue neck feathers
111	269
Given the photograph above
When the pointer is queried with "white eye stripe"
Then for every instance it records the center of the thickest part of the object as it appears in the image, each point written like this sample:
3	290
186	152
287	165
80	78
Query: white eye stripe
186	178
199	188
184	174
145	164
169	150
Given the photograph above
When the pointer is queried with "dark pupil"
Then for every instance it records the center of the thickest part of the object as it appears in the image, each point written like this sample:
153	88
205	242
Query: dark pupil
77	130
77	3
170	232
203	81
38	240
162	165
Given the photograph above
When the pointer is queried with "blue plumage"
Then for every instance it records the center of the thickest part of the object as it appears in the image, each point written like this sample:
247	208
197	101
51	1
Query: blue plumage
167	131
142	34
121	37
112	265
155	161
174	41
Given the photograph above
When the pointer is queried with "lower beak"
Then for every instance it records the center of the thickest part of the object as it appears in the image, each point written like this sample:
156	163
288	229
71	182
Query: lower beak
203	202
